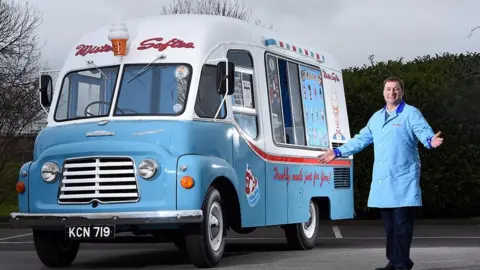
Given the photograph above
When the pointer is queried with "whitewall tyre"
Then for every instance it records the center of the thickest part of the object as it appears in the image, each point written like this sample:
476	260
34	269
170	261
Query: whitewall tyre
304	235
205	242
53	249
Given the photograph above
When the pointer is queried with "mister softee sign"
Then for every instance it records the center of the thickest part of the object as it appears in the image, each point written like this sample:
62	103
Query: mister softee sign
157	43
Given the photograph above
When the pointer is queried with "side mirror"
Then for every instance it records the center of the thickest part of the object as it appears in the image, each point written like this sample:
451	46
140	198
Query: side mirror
46	90
223	79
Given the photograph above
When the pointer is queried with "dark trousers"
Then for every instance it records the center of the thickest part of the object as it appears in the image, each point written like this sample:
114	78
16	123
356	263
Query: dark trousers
398	223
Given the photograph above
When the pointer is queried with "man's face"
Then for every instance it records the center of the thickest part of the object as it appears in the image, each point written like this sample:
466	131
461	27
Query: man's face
393	93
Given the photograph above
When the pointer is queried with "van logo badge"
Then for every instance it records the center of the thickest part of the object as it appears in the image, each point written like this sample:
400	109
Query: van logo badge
252	189
100	133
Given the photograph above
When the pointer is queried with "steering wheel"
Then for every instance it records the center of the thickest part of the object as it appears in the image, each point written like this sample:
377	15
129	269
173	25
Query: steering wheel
96	102
106	103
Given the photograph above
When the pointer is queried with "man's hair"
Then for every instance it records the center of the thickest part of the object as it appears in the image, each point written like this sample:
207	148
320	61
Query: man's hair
393	79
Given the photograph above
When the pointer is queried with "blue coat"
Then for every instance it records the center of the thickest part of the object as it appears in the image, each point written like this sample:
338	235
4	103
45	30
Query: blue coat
396	169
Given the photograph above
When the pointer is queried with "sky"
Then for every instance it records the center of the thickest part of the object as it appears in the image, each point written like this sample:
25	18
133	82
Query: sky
350	30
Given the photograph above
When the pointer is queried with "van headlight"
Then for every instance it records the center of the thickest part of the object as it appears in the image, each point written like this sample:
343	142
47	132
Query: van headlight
147	168
50	171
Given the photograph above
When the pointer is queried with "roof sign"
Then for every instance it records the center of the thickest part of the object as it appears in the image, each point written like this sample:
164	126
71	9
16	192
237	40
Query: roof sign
293	48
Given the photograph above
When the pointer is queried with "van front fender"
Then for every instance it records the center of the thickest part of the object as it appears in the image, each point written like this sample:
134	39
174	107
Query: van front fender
204	170
24	177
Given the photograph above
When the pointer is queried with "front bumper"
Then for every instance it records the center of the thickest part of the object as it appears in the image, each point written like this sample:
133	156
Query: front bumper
117	218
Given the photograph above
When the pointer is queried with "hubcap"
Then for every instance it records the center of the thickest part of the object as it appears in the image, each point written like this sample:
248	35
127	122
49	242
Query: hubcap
310	226
215	226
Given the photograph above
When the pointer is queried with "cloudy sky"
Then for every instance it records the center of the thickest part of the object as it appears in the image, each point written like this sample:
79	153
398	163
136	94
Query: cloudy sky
349	29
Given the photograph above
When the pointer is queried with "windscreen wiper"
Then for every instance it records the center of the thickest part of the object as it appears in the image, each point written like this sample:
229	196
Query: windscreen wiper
90	62
161	57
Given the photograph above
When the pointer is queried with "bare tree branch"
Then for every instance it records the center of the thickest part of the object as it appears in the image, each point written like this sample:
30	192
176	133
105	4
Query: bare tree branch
19	67
211	7
471	31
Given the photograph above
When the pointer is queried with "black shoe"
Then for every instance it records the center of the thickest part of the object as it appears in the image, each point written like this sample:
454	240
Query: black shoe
402	268
388	267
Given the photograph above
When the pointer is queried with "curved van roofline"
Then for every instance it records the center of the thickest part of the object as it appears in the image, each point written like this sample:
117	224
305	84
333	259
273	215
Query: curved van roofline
205	31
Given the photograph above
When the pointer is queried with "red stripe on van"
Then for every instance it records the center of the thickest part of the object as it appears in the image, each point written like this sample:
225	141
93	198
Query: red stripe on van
292	159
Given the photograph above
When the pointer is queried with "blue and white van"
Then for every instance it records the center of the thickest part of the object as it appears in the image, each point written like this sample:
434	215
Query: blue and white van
205	124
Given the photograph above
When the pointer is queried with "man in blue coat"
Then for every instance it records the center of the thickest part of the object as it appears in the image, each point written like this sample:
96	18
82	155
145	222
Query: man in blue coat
395	131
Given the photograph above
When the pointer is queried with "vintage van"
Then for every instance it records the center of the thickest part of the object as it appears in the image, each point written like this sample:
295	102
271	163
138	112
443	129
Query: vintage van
184	127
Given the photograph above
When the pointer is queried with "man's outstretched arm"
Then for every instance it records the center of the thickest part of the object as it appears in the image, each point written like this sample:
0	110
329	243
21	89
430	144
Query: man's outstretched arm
353	146
423	131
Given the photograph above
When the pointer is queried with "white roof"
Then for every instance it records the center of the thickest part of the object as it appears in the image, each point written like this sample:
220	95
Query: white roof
205	31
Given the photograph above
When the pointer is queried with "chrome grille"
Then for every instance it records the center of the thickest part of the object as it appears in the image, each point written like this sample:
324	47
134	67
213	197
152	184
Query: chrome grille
341	177
104	179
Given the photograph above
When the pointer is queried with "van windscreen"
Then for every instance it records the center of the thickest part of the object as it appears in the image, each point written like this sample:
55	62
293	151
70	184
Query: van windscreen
156	89
86	93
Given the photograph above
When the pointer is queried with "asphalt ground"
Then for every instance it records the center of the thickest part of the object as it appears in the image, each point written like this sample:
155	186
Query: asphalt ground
352	246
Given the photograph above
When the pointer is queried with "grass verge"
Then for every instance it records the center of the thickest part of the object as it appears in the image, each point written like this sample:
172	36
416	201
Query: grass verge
6	209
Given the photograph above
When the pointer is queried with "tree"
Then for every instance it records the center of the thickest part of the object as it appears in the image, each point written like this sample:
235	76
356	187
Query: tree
19	67
211	7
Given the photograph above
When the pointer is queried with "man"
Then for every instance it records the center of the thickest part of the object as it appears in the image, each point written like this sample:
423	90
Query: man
395	131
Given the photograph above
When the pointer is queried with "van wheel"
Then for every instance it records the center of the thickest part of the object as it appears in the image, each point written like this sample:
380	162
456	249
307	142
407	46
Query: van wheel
304	235
205	242
53	249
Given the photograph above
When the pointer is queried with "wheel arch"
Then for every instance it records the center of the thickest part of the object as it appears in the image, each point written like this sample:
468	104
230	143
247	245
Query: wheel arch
229	195
324	209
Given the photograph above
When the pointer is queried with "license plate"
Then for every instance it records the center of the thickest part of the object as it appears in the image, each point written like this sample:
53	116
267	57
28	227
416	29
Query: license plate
90	232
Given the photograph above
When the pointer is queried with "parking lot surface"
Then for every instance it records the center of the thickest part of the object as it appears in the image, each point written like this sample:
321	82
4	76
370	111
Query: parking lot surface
434	247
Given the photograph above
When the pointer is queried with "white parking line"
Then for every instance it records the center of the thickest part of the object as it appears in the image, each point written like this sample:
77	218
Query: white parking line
15	236
337	232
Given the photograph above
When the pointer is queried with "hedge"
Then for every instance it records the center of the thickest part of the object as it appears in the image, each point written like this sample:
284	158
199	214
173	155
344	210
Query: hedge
446	90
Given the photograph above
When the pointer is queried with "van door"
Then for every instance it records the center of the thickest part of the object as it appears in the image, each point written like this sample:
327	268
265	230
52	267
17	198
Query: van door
250	168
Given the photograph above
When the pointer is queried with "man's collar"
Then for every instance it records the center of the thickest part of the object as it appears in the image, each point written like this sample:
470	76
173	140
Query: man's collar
399	107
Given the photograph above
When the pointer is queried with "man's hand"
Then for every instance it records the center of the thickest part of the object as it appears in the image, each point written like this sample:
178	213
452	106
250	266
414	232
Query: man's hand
436	140
326	157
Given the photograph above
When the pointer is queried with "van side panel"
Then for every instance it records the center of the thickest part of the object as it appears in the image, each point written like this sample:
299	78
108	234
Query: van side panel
252	188
298	184
293	174
306	182
277	195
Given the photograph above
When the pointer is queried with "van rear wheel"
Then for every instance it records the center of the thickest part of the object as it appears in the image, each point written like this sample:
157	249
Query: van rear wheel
303	236
53	249
205	242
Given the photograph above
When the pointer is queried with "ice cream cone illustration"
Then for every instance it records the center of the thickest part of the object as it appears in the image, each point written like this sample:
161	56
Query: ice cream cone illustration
119	36
336	112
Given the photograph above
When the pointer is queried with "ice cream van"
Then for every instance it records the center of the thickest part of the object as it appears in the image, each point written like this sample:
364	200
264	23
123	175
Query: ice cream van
184	128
